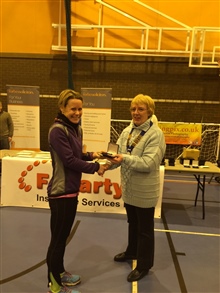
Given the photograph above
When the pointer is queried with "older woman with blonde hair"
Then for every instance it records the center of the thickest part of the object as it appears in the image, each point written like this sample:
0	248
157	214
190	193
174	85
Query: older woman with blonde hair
141	150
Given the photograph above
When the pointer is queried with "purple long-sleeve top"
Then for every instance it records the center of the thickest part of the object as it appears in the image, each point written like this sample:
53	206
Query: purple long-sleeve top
68	161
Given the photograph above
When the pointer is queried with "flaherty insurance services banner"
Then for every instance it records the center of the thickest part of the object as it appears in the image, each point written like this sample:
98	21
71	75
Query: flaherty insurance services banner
25	180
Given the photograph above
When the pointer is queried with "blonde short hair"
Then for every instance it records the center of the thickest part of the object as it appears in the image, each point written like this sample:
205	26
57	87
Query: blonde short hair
66	95
147	100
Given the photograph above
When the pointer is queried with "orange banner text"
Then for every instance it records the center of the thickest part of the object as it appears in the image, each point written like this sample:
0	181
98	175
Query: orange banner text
182	133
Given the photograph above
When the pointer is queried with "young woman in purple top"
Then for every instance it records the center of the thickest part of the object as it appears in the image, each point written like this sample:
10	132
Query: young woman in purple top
68	163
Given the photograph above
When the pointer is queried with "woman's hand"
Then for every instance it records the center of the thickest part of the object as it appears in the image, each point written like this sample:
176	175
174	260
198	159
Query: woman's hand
97	155
117	159
103	168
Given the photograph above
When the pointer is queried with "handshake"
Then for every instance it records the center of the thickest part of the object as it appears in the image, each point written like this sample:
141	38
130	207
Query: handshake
104	166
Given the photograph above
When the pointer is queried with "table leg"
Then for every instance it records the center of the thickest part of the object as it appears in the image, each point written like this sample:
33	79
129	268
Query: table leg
201	186
197	191
211	179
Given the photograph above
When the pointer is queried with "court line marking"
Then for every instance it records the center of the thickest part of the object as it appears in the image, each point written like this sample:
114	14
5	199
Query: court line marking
181	281
187	232
18	275
134	262
134	284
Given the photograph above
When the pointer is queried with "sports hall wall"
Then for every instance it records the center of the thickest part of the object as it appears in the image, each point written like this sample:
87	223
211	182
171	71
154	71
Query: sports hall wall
181	93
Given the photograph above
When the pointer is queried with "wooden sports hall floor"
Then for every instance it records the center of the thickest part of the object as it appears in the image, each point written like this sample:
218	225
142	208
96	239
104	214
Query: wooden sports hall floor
187	248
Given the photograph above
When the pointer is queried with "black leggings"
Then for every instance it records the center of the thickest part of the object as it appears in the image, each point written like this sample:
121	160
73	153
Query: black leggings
63	212
141	235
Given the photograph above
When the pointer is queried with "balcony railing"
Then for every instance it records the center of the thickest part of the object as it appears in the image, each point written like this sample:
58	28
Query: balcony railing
200	44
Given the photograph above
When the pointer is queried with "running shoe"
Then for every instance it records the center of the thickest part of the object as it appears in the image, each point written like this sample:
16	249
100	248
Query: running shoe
70	280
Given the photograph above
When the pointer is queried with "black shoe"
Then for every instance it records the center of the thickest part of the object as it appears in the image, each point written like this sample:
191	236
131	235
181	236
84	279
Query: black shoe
121	257
135	275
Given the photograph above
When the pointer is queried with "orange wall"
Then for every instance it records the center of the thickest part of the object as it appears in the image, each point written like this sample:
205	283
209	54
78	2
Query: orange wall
26	26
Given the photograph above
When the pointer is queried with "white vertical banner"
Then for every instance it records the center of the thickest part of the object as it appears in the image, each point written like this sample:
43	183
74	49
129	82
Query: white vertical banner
96	118
23	105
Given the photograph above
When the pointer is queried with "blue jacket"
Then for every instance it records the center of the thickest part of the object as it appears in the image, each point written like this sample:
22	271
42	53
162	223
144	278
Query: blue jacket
68	162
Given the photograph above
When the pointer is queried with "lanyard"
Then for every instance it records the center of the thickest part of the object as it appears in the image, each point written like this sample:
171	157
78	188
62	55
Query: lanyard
136	140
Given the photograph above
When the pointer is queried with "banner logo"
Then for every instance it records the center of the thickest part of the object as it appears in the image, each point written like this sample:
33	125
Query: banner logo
40	177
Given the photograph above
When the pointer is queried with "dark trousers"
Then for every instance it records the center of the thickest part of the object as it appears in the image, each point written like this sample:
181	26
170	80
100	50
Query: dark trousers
141	235
63	212
4	143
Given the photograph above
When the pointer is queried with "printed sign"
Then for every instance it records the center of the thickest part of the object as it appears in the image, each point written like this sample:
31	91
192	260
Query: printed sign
23	105
182	133
96	118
